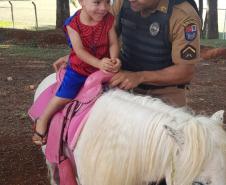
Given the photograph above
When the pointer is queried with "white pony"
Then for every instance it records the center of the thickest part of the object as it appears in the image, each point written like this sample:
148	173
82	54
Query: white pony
133	140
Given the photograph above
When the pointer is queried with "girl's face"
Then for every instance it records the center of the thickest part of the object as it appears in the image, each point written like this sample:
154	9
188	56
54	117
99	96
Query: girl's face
95	9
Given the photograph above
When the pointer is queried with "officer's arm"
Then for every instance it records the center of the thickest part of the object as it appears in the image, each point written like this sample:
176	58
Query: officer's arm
174	75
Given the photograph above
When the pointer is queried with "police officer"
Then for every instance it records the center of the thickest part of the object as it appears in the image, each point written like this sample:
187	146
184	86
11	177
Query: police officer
160	47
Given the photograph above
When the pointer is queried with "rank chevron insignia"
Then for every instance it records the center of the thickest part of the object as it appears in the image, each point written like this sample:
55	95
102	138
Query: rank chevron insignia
188	52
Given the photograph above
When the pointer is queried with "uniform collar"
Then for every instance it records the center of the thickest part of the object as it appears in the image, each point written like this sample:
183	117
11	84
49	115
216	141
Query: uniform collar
162	6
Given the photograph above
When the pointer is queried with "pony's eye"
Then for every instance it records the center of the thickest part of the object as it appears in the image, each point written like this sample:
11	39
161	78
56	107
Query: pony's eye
197	183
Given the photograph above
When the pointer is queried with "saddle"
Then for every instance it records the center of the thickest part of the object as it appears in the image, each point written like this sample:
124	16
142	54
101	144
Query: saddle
66	125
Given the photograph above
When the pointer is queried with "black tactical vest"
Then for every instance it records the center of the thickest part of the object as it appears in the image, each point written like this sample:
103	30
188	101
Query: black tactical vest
146	44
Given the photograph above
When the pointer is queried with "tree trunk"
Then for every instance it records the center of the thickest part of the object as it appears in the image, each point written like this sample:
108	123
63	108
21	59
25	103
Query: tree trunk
201	16
204	31
212	20
201	9
62	12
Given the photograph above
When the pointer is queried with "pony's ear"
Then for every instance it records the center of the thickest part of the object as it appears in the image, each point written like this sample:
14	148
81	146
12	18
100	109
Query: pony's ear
218	116
177	135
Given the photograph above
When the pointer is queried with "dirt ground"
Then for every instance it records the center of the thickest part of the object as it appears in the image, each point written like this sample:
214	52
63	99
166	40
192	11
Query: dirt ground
21	163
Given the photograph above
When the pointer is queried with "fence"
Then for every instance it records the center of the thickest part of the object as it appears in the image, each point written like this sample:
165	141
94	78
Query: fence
46	15
12	10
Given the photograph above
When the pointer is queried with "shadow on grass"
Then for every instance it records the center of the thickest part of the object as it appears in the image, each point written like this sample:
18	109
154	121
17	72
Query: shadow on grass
31	52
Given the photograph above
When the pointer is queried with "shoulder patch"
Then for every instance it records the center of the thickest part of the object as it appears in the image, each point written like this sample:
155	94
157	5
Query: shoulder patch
188	52
188	21
190	32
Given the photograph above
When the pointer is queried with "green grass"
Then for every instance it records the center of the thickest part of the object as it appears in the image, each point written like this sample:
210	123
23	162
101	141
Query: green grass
38	53
27	26
214	42
6	24
31	52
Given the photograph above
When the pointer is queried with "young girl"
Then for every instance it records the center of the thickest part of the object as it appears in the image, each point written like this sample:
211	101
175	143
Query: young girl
94	45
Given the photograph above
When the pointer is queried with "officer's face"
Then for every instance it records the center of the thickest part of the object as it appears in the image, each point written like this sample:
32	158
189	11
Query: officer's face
143	5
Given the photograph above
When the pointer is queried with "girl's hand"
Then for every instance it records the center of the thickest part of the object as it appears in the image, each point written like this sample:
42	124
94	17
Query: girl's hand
117	65
106	64
60	63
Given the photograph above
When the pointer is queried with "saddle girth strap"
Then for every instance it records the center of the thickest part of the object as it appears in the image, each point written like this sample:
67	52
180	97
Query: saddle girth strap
68	112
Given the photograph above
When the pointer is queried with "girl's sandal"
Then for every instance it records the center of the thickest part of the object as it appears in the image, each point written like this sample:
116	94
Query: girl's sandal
37	138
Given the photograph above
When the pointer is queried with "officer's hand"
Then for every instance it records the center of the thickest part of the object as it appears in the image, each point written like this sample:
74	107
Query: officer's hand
126	80
60	63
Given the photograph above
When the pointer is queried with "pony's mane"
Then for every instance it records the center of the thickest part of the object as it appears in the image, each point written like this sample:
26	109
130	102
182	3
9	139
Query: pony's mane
124	141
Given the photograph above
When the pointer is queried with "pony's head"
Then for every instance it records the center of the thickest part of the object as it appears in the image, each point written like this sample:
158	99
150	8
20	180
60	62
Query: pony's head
200	152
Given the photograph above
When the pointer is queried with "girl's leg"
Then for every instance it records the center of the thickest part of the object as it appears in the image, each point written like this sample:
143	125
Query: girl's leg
70	86
55	104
